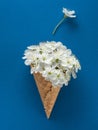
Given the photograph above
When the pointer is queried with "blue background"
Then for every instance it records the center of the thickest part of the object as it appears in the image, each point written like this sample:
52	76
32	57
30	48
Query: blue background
26	22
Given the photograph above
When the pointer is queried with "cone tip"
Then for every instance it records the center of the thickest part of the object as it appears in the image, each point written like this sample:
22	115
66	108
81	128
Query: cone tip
48	116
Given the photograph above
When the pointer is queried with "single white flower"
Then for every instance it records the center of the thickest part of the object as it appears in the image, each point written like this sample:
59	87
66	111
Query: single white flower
67	14
45	58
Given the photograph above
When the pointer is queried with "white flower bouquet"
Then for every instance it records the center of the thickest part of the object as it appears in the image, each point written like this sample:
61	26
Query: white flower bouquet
52	65
54	61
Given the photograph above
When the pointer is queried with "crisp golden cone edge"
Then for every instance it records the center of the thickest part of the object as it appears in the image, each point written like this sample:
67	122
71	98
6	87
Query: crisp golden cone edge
47	92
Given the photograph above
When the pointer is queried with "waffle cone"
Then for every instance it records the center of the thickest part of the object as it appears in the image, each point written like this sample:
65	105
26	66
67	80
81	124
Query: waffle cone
47	92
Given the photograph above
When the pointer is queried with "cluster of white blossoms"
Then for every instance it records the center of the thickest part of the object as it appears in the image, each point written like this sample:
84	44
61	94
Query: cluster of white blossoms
54	61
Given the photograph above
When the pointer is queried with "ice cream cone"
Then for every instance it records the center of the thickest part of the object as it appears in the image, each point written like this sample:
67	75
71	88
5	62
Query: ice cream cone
47	92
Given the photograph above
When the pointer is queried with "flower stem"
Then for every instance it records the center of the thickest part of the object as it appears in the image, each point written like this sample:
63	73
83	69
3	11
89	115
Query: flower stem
58	25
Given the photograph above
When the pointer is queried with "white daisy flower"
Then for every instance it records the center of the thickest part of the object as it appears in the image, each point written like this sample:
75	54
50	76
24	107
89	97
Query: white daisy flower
67	14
